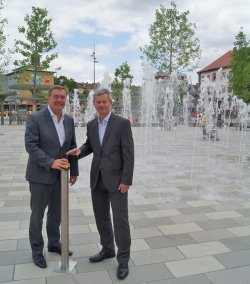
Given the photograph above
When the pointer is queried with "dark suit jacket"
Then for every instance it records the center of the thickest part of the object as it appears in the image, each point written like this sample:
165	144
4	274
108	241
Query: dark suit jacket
115	157
43	146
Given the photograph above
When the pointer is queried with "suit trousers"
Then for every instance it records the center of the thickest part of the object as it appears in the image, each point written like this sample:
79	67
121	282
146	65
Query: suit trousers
42	196
101	200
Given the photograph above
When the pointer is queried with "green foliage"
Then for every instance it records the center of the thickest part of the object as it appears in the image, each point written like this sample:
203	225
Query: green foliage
240	68
121	73
70	84
4	57
173	46
36	49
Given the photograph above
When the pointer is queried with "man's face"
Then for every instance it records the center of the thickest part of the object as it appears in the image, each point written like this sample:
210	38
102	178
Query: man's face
102	105
57	100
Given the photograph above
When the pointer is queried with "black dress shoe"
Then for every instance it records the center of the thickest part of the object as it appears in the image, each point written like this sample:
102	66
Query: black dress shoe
122	271
101	256
58	250
39	260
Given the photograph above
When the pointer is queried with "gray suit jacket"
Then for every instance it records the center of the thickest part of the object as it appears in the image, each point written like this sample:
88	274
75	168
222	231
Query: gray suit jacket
43	146
115	157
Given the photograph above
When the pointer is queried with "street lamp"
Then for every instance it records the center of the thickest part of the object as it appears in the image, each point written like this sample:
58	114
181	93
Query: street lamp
94	61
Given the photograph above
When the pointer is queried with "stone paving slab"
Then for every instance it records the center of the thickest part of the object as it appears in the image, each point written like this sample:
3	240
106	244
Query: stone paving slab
189	210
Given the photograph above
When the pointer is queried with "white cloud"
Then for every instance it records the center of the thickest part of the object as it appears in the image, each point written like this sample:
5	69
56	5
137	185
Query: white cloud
121	27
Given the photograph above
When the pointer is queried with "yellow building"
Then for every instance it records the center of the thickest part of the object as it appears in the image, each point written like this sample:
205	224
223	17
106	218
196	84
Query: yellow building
28	90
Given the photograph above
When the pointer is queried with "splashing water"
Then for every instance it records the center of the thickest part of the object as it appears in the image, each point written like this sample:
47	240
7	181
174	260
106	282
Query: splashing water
126	99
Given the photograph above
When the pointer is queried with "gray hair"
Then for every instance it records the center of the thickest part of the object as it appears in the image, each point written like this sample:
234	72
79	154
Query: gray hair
100	92
56	87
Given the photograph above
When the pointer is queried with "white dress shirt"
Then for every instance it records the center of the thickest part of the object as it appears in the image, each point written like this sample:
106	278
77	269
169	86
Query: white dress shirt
58	125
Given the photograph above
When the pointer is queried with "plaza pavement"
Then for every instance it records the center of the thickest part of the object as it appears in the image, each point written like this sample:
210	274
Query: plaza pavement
189	212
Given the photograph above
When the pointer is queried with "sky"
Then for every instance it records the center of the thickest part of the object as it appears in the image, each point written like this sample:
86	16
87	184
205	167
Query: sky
118	29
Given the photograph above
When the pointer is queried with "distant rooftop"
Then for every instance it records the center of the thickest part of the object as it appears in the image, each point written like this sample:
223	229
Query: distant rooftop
221	62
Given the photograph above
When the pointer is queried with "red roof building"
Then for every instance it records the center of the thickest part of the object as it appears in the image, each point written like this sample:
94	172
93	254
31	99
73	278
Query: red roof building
210	70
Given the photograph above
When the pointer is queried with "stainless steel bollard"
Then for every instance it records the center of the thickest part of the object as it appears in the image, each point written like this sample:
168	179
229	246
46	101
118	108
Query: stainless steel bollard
65	265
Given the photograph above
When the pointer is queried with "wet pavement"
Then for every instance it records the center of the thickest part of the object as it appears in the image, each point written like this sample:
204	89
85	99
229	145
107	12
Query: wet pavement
189	210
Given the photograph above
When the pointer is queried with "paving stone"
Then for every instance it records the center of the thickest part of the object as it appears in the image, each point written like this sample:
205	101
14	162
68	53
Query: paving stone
75	213
83	220
211	235
217	224
202	249
83	239
23	244
144	274
99	277
245	212
156	255
240	275
161	213
29	271
180	228
145	232
200	203
14	217
140	208
196	210
234	259
6	272
198	279
236	244
15	257
13	234
8	245
31	281
79	229
240	231
150	222
84	266
192	266
9	225
240	220
169	241
139	244
223	215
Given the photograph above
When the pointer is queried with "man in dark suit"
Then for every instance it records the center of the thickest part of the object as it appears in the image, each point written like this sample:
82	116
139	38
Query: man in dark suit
49	135
109	138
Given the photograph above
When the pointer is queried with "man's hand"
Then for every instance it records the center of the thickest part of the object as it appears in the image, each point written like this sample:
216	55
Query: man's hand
72	180
123	188
60	164
74	152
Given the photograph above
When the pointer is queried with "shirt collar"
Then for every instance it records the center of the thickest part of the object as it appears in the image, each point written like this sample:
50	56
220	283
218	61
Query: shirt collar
53	114
106	118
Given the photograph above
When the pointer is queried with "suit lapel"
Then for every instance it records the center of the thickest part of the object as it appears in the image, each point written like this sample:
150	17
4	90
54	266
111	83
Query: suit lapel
96	133
66	128
108	128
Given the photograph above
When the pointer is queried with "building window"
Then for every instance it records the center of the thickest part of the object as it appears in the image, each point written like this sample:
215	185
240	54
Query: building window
213	76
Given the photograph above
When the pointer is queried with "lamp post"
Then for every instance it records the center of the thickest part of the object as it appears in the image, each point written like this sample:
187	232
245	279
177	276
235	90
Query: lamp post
94	61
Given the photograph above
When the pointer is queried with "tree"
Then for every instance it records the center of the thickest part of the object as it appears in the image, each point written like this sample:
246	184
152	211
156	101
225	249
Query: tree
70	84
36	49
4	58
239	79
121	73
173	46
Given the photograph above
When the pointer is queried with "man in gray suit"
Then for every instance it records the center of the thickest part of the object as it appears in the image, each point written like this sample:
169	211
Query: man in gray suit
109	138
49	135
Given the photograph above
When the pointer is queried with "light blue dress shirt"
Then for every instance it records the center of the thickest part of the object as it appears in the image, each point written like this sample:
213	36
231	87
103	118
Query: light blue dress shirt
102	125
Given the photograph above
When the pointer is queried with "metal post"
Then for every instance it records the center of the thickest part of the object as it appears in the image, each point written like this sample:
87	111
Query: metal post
94	61
65	265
